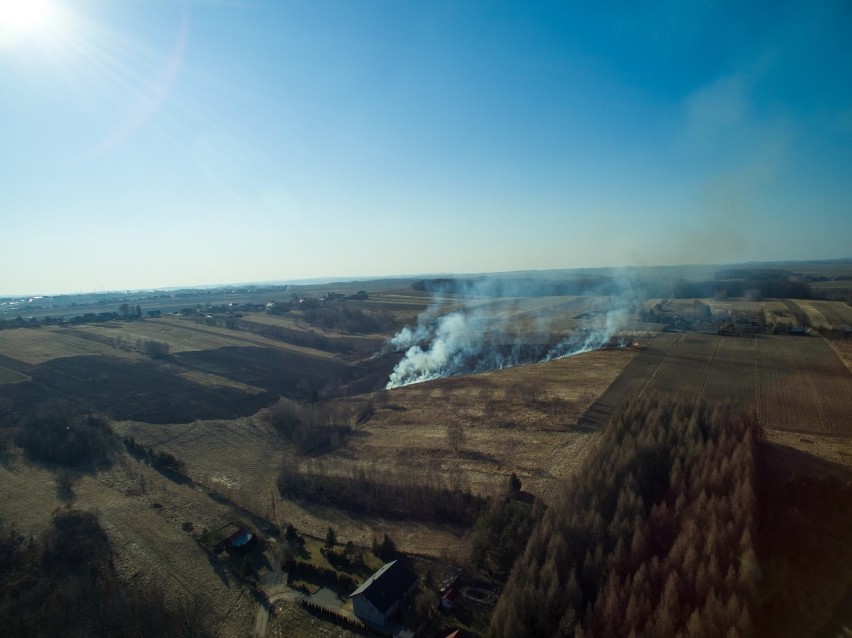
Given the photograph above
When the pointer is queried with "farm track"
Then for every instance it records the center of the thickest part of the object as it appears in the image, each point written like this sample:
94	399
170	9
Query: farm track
710	366
758	399
673	342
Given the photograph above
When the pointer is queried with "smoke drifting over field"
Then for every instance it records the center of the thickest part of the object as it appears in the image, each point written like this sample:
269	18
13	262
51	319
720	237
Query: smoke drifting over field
480	337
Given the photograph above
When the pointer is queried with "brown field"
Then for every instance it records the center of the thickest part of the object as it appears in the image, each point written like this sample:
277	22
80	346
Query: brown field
814	314
206	404
43	344
142	514
517	420
796	383
838	313
11	376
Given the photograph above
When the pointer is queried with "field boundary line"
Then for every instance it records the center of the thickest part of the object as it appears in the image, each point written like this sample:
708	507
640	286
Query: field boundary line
757	398
826	424
660	365
709	366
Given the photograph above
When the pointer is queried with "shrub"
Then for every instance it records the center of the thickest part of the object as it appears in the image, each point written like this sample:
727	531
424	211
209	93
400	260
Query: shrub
58	434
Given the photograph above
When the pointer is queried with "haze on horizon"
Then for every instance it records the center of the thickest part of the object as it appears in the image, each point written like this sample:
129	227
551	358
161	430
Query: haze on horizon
153	143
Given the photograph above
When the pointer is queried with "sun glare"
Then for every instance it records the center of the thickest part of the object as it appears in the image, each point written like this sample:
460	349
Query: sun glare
20	18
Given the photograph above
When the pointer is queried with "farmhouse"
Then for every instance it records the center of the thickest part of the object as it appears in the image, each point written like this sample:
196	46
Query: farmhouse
239	541
378	599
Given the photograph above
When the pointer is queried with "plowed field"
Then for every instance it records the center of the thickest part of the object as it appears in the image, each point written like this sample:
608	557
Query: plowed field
796	384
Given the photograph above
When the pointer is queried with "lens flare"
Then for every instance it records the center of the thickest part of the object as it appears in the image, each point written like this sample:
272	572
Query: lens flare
25	17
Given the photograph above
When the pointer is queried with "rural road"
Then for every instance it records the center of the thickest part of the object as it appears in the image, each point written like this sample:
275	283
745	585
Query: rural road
274	593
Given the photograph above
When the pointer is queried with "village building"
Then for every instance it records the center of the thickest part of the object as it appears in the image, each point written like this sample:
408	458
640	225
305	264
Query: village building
377	601
240	541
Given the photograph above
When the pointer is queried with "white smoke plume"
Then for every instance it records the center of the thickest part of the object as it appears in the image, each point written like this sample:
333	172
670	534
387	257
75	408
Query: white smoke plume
479	338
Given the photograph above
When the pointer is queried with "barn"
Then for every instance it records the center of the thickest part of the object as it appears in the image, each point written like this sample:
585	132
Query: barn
378	599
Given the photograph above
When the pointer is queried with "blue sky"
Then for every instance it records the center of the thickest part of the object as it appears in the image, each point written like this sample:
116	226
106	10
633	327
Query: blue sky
153	143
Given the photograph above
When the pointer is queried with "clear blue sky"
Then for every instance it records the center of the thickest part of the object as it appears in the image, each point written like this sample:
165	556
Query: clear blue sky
153	143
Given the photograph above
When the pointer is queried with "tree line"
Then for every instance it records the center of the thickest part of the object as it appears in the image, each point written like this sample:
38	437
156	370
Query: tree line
310	428
372	490
655	536
164	462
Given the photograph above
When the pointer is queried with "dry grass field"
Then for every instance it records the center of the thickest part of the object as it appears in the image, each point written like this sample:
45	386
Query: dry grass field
519	420
143	514
207	404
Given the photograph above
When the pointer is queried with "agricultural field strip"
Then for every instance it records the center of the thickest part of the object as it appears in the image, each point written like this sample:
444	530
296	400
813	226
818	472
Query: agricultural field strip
807	378
663	360
16	365
295	323
796	311
837	313
236	458
36	346
11	376
203	377
566	457
709	366
193	336
731	375
634	378
795	384
815	316
843	350
254	340
685	366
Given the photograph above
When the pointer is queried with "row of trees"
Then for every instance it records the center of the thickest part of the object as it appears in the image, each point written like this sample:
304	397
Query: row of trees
369	489
126	312
164	462
310	428
346	319
500	534
654	538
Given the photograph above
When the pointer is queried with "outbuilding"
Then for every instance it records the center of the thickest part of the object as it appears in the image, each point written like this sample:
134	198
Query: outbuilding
378	599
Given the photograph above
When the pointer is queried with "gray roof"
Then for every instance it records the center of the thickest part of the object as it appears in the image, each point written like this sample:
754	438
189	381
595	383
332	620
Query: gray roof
386	586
